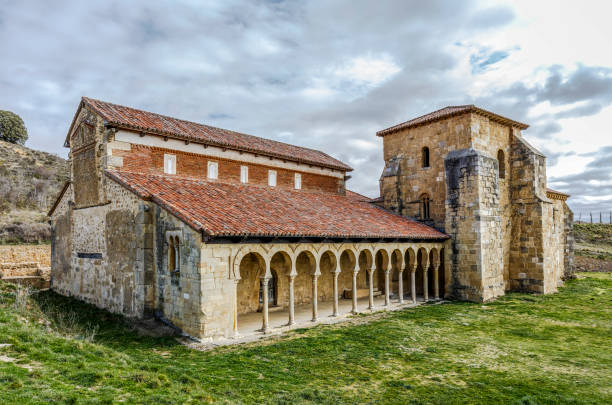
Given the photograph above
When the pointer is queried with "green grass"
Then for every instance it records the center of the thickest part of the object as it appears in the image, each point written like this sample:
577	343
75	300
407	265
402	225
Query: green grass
521	349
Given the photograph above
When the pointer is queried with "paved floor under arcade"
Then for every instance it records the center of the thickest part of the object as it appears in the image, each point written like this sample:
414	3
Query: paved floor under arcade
249	325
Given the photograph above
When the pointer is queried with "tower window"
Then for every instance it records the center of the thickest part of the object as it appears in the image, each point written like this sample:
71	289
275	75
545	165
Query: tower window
244	174
424	206
169	164
501	160
425	156
272	178
213	170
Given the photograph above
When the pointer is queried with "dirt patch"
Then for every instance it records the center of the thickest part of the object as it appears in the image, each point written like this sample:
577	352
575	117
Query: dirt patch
591	264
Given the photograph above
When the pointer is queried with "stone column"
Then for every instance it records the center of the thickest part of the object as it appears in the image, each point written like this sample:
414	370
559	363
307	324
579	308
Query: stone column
236	334
413	284
436	286
387	292
371	294
291	301
315	309
400	285
354	310
265	328
336	274
425	292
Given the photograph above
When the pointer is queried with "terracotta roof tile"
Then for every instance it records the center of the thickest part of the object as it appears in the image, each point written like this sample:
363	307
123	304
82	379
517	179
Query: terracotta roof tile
222	209
131	118
449	112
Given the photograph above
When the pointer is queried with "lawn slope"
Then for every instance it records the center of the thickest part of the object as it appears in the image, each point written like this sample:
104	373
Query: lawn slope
519	349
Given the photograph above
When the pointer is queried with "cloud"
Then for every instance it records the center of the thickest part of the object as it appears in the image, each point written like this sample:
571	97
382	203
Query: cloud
321	74
591	189
492	17
584	83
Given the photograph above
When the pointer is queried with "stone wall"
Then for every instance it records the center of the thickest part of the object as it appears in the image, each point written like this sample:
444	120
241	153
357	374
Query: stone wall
96	252
177	294
527	255
473	221
405	179
40	254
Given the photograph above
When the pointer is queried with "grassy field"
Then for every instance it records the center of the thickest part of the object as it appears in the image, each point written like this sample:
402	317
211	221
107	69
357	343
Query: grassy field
521	349
594	240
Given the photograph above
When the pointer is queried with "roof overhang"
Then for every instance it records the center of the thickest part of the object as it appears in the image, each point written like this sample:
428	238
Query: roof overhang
425	119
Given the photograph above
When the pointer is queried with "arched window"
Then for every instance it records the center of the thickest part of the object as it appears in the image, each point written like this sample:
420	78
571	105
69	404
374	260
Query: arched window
174	256
177	254
171	255
501	160
424	206
425	157
272	283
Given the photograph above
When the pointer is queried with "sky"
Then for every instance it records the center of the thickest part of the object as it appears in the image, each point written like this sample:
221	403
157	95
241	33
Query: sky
325	74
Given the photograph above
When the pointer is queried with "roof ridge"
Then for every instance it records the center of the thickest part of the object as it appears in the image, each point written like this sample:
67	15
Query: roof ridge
447	112
91	102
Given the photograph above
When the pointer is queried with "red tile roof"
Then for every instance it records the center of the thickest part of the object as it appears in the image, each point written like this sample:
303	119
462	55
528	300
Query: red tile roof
447	112
138	120
222	209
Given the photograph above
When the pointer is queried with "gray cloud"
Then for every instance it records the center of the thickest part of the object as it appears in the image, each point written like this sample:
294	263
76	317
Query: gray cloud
321	74
492	17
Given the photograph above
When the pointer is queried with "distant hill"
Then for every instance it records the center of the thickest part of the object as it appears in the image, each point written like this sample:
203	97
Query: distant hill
594	241
30	181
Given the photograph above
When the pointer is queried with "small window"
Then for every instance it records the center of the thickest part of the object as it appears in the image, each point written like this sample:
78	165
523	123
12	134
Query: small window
297	181
174	252
171	255
425	156
272	178
502	164
244	174
424	206
170	164
213	170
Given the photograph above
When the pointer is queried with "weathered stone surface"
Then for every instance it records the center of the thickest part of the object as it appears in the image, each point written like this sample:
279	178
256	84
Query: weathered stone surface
487	189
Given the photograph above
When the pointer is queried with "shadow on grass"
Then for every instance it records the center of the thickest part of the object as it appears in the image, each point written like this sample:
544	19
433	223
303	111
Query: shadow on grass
77	319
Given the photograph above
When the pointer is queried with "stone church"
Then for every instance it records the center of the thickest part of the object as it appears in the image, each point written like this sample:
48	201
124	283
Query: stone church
208	229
